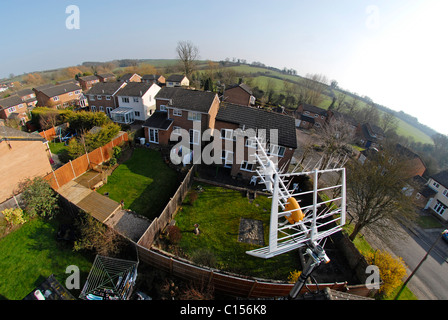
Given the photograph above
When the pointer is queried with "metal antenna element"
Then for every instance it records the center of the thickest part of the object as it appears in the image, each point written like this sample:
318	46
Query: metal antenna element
292	226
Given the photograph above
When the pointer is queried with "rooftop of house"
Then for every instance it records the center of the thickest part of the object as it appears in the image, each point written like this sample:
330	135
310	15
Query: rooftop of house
135	89
24	92
243	86
106	88
314	109
88	78
106	75
158	120
128	76
153	77
175	78
10	102
442	178
7	133
193	100
56	90
255	118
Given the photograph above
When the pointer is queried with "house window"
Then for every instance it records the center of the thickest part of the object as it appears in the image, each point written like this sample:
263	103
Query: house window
137	113
194	136
227	156
307	112
108	110
101	108
70	93
194	116
445	193
176	130
136	99
77	92
93	108
251	143
440	208
55	98
154	135
436	185
107	97
99	97
277	150
177	112
162	107
246	166
11	109
125	99
227	134
92	98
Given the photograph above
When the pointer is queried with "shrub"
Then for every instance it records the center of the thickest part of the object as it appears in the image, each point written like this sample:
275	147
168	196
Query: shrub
40	198
14	217
174	234
392	270
294	276
204	257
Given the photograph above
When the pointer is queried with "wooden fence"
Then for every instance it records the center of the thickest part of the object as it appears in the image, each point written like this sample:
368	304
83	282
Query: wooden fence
157	225
80	165
225	283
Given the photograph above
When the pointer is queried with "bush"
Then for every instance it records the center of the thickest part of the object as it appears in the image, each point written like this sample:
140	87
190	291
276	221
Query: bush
14	217
392	270
174	234
40	198
204	257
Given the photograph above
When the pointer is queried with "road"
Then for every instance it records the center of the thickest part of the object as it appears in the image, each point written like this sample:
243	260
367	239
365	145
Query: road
431	280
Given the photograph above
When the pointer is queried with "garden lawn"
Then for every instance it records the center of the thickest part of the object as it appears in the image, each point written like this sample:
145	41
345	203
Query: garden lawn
145	183
31	254
218	212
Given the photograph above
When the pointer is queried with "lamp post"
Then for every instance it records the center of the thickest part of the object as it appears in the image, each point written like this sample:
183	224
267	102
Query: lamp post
419	265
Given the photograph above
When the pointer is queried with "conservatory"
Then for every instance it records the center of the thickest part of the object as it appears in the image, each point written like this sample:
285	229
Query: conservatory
123	115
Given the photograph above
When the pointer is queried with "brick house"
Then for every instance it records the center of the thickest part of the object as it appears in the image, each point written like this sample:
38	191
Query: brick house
283	144
88	82
58	96
154	78
239	94
136	101
369	136
22	155
177	80
106	77
130	77
181	108
438	203
13	108
103	96
28	96
309	116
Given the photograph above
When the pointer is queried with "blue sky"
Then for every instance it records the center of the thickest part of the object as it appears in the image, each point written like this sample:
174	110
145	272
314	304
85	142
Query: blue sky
392	51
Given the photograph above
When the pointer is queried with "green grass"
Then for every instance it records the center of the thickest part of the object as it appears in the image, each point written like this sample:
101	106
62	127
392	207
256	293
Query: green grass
57	147
218	212
31	254
144	182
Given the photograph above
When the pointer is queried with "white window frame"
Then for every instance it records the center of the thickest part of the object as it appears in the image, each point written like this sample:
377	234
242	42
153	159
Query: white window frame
137	113
176	130
55	98
177	112
153	135
440	208
251	143
101	109
98	97
163	107
194	116
93	108
225	156
196	136
108	97
445	193
92	97
435	184
77	92
275	150
228	134
108	110
125	99
245	166
12	109
136	99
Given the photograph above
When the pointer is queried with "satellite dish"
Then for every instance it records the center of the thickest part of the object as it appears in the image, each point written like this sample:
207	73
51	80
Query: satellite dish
293	226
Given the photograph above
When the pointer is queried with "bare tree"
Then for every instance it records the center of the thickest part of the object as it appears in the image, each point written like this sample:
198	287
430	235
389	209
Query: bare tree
375	191
187	53
389	122
312	90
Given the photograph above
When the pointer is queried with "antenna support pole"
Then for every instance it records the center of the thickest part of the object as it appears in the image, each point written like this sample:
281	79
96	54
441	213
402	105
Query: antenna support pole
317	256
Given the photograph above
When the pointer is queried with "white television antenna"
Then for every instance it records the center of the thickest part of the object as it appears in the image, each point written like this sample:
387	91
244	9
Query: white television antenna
292	226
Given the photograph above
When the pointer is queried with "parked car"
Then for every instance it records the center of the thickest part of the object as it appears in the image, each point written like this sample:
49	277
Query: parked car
445	236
